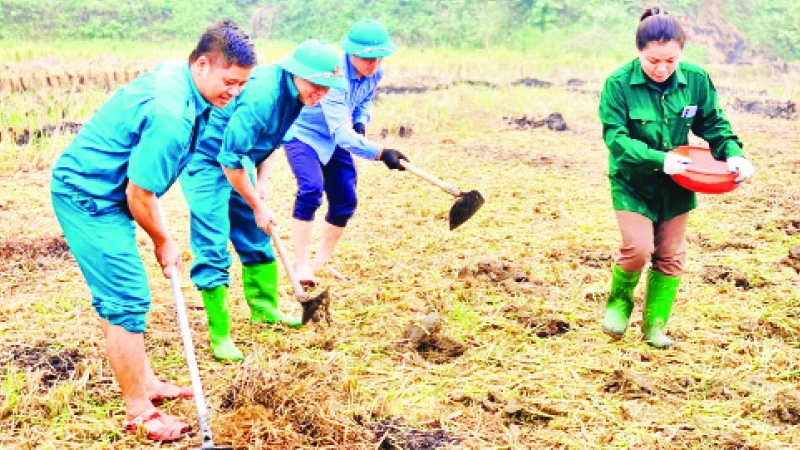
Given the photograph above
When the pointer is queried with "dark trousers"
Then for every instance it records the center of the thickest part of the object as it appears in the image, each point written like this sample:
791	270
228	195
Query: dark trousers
337	180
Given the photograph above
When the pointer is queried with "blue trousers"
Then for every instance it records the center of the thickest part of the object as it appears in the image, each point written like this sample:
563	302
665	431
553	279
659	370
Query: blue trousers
219	214
102	237
337	180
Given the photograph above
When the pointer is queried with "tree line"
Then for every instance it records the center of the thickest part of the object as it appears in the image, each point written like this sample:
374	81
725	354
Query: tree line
771	24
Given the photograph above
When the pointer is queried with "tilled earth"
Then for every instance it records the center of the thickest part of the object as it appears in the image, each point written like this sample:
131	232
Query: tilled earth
484	337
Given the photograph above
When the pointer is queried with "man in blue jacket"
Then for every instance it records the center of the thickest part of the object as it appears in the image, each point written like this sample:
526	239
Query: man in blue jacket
322	140
225	185
109	179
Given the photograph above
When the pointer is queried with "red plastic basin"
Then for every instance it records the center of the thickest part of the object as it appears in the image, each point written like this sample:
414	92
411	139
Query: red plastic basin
705	174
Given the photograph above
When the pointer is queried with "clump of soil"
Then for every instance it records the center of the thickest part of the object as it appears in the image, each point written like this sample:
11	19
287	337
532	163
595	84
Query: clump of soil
575	82
511	409
24	137
402	90
773	109
791	227
547	327
323	312
532	82
393	434
785	407
723	274
596	259
495	271
554	121
56	365
403	131
427	341
629	384
769	328
42	254
478	83
305	399
26	257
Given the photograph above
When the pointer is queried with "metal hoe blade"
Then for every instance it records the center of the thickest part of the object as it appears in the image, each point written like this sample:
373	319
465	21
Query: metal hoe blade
466	205
311	305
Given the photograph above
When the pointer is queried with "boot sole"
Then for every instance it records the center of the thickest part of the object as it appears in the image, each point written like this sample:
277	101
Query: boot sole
613	335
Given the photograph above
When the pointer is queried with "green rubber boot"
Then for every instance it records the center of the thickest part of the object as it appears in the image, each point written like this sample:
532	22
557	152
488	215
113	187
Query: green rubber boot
620	302
219	324
661	292
261	291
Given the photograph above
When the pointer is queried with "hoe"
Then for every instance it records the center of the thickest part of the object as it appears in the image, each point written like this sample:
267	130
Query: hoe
199	398
466	204
310	305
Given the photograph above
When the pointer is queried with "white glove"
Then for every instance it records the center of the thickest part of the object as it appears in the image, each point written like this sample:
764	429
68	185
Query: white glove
675	163
741	166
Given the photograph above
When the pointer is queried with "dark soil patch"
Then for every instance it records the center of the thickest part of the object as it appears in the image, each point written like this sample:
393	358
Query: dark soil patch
403	131
575	82
393	434
793	259
495	271
546	327
26	136
773	109
593	92
770	328
629	384
596	260
56	365
402	90
427	341
554	121
532	82
478	83
312	411
42	254
785	407
791	227
723	275
512	410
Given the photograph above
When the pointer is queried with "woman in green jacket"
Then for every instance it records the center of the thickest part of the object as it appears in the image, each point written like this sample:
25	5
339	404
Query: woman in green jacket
647	108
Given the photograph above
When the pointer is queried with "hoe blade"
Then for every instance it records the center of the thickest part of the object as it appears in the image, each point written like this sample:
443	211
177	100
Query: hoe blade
311	305
465	207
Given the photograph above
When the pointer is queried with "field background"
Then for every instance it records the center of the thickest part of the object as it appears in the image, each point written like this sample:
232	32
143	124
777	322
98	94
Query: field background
518	359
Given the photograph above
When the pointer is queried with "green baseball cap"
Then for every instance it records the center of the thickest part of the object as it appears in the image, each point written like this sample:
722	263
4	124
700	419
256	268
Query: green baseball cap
315	61
368	39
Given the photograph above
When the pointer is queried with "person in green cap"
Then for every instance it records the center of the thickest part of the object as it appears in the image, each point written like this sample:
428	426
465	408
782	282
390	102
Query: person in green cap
647	108
225	185
109	179
320	144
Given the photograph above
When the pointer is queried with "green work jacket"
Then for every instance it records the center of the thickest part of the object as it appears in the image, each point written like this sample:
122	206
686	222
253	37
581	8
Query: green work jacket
641	122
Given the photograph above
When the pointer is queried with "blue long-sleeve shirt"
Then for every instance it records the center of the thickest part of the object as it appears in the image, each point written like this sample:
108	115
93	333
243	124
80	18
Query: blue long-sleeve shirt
330	123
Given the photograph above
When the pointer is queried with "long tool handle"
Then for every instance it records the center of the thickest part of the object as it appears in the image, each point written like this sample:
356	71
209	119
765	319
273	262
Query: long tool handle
191	361
299	292
452	190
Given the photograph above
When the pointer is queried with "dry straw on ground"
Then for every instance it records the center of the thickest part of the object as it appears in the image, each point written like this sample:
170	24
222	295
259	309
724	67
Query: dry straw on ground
520	289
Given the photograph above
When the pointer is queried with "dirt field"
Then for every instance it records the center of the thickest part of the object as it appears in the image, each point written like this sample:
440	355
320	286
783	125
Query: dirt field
513	355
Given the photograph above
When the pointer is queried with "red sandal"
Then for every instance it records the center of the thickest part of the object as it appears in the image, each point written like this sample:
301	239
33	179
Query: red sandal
158	397
159	426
